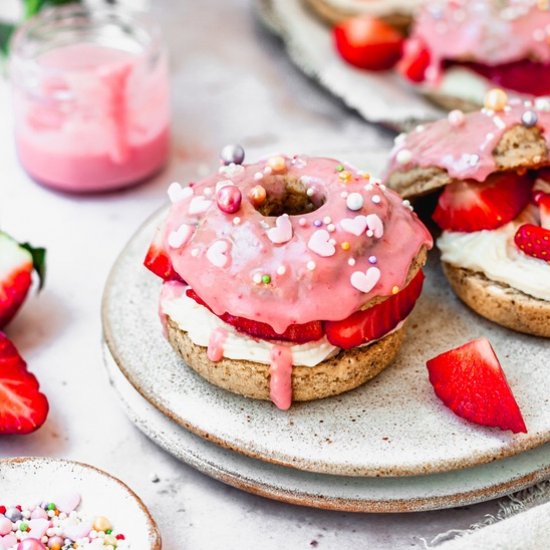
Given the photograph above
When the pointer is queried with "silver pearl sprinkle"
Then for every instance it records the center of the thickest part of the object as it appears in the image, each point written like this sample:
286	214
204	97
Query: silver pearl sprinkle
13	514
232	154
529	119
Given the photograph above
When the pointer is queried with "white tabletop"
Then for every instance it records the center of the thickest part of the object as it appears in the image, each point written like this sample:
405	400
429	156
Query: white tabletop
231	82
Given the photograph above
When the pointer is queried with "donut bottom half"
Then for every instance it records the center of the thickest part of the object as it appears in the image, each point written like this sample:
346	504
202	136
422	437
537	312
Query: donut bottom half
346	371
500	303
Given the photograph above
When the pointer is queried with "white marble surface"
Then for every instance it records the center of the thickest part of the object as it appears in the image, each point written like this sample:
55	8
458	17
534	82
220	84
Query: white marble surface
231	82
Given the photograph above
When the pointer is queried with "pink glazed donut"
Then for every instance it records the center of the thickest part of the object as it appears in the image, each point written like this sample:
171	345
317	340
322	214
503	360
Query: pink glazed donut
298	273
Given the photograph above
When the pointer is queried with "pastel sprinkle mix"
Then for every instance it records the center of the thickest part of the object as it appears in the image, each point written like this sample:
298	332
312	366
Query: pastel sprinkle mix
345	245
331	228
373	259
376	199
281	270
395	289
339	168
311	265
236	220
257	278
351	261
266	279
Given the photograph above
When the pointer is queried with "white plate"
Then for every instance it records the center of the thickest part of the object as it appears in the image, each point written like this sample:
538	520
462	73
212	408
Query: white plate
379	97
362	494
36	479
392	426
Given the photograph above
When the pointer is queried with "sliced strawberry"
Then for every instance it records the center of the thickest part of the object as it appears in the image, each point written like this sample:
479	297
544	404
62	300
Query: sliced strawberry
375	322
544	210
415	60
533	241
158	261
23	409
300	334
472	206
17	262
368	43
470	381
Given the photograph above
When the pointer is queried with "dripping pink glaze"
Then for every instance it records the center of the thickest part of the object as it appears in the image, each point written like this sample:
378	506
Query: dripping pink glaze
215	344
480	31
449	147
300	295
280	370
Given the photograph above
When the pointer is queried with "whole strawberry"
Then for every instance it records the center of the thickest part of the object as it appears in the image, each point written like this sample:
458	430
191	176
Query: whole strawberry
17	263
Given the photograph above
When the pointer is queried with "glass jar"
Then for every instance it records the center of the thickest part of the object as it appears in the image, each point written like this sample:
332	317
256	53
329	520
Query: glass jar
91	98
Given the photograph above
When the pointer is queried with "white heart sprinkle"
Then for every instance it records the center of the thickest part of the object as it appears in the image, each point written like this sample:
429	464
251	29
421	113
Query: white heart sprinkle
375	223
198	205
319	243
355	226
181	236
365	282
282	232
218	253
177	193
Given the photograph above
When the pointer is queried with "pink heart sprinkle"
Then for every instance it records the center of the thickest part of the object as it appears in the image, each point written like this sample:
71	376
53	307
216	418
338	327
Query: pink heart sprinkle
77	531
375	224
177	193
38	527
282	232
180	237
319	243
198	205
365	282
39	513
8	541
355	226
218	253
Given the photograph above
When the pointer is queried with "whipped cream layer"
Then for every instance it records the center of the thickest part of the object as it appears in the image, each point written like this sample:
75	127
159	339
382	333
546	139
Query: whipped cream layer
200	323
495	254
378	8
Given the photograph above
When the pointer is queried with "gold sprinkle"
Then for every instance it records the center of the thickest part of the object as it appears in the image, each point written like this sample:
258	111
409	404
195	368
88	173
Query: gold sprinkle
345	245
395	289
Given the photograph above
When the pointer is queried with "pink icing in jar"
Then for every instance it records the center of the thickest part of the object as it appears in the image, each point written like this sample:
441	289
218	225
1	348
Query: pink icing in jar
91	98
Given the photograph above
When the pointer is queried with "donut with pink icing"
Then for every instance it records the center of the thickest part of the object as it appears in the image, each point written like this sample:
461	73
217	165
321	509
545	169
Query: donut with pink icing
459	49
277	271
494	168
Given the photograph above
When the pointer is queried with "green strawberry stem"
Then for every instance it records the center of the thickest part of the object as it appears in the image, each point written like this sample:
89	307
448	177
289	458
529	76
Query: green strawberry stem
38	262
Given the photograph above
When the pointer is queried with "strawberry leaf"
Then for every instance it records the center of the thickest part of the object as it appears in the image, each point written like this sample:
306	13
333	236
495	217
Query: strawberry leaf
6	31
38	262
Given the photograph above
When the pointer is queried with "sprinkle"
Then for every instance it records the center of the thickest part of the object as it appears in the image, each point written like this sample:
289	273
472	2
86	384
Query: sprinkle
327	220
456	118
266	279
420	128
258	176
351	261
332	242
529	119
542	104
311	265
369	187
473	159
339	168
344	194
496	100
345	245
195	252
281	270
406	202
376	199
310	192
257	195
395	289
331	228
370	233
277	164
257	278
317	223
268	170
403	157
302	222
345	176
400	139
355	201
373	259
365	175
236	220
207	191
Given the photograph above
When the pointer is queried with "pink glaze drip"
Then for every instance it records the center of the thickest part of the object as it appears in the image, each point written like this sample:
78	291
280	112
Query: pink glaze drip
466	151
485	31
280	370
215	344
301	294
170	290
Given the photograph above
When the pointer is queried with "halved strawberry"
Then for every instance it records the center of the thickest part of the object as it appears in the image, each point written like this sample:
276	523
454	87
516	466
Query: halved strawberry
533	241
23	409
298	333
368	43
158	261
375	322
472	206
17	262
470	381
415	60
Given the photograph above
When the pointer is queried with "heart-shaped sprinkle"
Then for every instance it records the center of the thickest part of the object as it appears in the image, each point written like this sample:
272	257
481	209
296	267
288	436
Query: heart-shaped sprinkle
375	224
365	282
9	541
38	527
355	226
180	237
282	232
75	531
198	205
67	502
218	253
320	243
177	193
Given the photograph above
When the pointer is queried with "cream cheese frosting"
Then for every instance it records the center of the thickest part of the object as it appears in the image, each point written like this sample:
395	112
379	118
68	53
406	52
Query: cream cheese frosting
495	254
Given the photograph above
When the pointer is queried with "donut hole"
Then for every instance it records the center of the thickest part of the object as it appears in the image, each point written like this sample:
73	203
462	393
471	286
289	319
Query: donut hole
288	195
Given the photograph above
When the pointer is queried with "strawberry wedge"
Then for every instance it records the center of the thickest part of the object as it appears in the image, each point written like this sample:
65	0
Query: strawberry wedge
470	381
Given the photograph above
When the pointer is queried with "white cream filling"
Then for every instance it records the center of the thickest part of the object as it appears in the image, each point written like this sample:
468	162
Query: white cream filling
463	84
375	7
495	254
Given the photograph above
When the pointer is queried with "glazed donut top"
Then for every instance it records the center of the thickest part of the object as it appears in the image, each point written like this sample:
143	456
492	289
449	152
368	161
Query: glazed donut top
492	32
463	144
347	240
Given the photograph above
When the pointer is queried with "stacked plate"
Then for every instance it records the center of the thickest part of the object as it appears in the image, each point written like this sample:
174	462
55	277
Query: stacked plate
390	446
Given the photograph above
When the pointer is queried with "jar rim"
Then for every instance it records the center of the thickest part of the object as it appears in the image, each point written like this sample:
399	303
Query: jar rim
148	35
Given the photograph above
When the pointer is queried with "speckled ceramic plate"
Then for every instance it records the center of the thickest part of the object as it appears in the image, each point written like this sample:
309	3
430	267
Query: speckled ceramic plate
379	97
31	479
393	426
356	494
